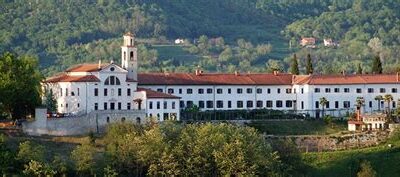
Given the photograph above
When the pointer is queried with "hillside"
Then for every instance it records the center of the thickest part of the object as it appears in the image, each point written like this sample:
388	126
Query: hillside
63	33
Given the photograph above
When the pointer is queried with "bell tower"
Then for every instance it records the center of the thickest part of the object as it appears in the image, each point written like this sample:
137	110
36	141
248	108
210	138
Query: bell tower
129	56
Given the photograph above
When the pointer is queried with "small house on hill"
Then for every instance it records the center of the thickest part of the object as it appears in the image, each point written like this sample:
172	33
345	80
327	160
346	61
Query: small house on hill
308	42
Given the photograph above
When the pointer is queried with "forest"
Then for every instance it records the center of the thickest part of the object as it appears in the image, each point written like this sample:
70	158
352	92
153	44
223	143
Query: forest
220	36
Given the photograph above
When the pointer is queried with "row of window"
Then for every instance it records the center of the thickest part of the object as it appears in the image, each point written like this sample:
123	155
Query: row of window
229	91
112	105
346	104
358	90
158	105
67	93
239	104
105	92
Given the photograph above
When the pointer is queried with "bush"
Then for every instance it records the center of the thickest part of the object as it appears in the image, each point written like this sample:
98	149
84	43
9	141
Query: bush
366	170
83	156
29	151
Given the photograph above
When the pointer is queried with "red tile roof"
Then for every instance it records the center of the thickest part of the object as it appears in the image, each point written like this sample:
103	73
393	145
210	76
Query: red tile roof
213	79
86	68
347	79
155	94
67	78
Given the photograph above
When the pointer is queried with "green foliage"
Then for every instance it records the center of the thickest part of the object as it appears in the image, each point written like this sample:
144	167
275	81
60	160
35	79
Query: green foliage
7	157
377	65
83	156
50	101
35	168
309	66
366	170
294	67
359	69
29	151
19	85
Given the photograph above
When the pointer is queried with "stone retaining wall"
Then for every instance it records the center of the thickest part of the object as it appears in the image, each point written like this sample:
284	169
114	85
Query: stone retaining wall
332	143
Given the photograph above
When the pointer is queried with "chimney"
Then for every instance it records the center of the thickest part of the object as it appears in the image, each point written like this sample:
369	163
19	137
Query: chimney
398	76
276	72
237	73
99	67
198	72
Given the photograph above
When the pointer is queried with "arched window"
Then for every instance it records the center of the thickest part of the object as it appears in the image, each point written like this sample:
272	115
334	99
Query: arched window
112	80
131	56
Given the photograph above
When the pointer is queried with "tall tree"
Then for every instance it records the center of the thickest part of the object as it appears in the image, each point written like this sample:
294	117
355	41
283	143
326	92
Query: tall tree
19	85
359	69
309	67
294	68
377	65
388	98
323	102
50	102
379	98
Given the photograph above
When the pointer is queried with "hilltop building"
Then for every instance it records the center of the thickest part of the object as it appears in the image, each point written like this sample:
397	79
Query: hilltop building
95	87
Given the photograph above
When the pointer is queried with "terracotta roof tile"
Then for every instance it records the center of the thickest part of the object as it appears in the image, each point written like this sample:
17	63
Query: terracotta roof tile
348	79
213	79
86	68
155	94
67	78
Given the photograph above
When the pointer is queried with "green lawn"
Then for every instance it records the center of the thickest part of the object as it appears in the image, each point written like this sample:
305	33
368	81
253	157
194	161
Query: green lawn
384	160
174	52
298	127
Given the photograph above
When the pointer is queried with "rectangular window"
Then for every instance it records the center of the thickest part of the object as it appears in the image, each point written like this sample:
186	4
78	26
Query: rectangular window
336	104
229	104
219	91
259	104
327	90
189	104
302	90
128	106
336	90
61	92
346	90
370	104
173	105
249	104
181	104
128	92
239	104
327	105
66	91
316	104
165	105
209	90
317	90
294	90
370	90
72	93
394	104
239	91
150	105
119	106
346	104
112	106
229	91
78	105
302	105
288	91
105	106
289	103
394	90
249	90
210	104
279	103
119	91
189	91
382	90
220	104
96	92
278	90
78	91
269	104
170	90
180	91
201	104
96	106
200	91
158	105
105	92
160	90
359	90
268	90
259	91
66	105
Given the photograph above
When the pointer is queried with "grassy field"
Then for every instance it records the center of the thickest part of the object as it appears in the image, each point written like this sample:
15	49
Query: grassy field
299	127
384	160
175	52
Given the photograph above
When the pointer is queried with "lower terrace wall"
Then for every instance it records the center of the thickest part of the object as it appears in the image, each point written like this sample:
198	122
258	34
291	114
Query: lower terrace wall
311	143
95	121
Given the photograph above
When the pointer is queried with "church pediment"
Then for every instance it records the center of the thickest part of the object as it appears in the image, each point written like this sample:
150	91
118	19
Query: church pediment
113	68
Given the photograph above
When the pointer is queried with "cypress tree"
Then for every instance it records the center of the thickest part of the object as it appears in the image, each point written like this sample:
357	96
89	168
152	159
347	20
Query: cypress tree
309	67
294	68
359	69
377	65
